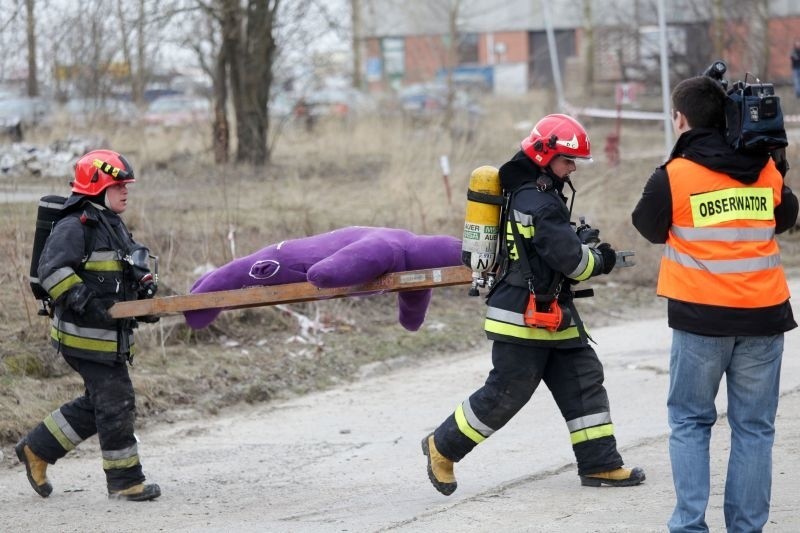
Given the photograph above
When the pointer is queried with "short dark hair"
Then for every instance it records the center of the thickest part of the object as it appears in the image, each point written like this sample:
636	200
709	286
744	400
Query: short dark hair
701	100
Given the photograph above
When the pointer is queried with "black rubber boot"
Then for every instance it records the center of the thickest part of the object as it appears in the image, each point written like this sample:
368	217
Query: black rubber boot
137	493
36	468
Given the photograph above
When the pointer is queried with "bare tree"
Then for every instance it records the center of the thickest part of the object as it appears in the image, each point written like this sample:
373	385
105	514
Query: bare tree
451	61
355	16
33	82
137	63
247	53
758	45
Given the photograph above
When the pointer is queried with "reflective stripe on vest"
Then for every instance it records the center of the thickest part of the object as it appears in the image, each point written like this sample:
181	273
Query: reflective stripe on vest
82	343
512	324
721	248
105	261
524	228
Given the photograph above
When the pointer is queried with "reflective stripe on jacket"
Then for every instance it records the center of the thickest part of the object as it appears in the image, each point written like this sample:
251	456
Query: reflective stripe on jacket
721	248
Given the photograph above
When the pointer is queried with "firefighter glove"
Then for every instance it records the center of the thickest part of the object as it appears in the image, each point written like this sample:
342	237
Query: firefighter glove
608	257
97	310
588	235
78	297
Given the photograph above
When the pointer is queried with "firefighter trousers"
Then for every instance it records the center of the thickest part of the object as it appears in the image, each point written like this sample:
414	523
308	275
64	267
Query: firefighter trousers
107	408
574	377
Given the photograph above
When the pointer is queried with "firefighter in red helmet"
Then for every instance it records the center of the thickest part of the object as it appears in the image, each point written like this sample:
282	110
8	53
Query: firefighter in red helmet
86	267
544	258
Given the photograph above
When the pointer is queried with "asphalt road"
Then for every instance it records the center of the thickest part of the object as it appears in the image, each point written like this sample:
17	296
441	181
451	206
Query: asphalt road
349	459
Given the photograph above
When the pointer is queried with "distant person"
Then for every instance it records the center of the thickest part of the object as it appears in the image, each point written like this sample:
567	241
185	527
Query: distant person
717	212
303	112
546	258
82	269
796	67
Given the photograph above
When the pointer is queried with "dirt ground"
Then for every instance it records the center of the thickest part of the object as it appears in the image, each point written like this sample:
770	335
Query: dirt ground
349	458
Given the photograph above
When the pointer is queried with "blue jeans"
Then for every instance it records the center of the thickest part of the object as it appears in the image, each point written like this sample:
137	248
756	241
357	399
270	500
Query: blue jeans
752	366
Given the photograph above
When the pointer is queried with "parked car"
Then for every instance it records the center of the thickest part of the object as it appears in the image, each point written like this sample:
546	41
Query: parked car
178	110
337	102
87	111
19	114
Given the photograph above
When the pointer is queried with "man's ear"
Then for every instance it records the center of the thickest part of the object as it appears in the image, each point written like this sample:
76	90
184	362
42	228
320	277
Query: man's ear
680	121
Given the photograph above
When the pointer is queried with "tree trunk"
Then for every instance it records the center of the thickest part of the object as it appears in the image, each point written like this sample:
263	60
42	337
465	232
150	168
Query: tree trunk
254	81
450	64
718	28
355	6
759	31
33	82
231	21
125	44
220	128
138	76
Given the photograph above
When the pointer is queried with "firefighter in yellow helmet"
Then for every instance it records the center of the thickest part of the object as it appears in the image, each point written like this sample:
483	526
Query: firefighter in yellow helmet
88	263
537	332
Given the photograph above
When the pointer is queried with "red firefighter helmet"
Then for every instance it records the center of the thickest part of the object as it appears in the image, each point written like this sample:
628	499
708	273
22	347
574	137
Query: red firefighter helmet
100	169
556	135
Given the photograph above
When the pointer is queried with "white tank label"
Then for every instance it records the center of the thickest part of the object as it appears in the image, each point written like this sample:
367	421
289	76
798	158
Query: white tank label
479	238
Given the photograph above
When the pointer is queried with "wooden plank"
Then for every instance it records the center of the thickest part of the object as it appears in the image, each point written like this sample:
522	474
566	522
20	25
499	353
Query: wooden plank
292	292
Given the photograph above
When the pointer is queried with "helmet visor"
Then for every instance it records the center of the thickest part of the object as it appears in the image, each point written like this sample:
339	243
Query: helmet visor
578	159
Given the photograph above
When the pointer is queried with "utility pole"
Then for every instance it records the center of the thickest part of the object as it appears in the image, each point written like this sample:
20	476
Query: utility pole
551	46
587	46
665	103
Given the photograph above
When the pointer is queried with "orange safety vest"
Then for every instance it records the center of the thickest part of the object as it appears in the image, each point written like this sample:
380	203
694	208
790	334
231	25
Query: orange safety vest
721	249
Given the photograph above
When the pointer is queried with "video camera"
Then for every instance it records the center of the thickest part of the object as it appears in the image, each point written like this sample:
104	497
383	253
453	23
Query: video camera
753	116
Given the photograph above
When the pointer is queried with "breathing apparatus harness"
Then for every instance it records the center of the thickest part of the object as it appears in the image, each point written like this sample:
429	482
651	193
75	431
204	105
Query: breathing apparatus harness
543	311
136	258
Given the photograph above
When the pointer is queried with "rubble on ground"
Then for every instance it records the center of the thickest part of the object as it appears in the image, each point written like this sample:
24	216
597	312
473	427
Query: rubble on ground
55	160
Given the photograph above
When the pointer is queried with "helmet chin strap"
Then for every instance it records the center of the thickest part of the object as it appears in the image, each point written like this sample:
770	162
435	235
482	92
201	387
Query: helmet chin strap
546	181
572	196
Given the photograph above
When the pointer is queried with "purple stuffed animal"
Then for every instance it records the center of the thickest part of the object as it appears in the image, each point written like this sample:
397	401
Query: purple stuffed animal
340	258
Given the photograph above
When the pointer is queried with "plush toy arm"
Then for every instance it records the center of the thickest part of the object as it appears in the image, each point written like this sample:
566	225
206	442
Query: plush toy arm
411	308
357	263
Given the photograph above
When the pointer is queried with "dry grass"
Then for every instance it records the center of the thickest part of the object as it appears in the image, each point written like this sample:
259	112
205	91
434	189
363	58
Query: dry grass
368	171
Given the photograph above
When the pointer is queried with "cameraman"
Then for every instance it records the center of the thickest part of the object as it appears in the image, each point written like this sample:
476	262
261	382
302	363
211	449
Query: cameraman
717	211
82	269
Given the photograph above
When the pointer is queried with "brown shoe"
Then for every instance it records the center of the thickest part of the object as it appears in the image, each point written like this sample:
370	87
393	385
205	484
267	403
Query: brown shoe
619	477
35	467
440	468
137	493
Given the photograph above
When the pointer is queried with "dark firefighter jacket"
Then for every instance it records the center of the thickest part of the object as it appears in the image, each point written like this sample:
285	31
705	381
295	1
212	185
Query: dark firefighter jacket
64	264
653	217
553	250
